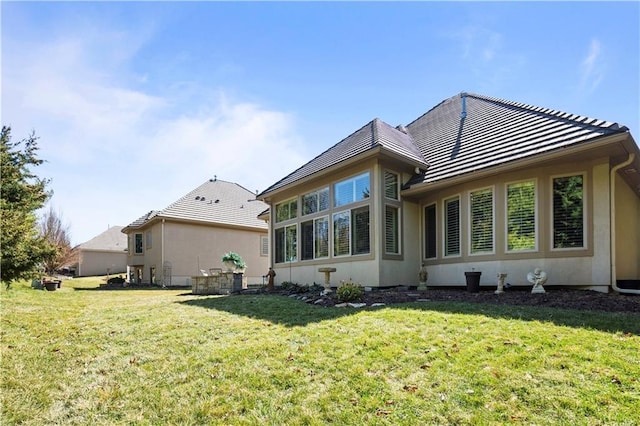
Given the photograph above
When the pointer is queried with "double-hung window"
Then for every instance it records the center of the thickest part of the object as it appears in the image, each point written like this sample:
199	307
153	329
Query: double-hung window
568	212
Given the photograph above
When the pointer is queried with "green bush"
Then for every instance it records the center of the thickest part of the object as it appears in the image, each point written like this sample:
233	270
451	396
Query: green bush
349	291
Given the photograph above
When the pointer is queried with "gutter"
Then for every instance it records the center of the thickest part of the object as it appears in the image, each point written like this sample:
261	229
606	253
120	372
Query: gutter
612	206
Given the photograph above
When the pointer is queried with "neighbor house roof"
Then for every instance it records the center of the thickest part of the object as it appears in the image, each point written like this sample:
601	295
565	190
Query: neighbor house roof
446	144
214	202
110	240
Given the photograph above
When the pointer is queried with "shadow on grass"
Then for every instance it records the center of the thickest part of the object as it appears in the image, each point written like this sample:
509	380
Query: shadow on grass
291	313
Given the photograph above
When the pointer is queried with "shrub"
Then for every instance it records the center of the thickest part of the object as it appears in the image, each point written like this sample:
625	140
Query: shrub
349	291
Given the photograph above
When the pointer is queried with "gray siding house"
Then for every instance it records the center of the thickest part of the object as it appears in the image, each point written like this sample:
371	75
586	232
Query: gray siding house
104	254
476	183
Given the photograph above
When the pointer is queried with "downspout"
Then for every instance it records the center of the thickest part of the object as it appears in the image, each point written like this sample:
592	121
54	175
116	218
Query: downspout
612	205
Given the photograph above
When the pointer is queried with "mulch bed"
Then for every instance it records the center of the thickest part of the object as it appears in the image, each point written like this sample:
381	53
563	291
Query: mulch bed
555	298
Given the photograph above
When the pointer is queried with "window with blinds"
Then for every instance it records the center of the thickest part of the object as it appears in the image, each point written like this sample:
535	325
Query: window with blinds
568	212
351	190
391	185
391	230
452	227
360	219
521	216
481	217
351	232
430	232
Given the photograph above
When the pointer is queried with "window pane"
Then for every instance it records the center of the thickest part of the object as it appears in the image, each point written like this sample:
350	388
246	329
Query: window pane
481	221
291	243
362	187
430	231
360	219
452	227
351	190
323	199
391	185
568	212
322	237
279	242
287	210
306	233
309	203
391	230
521	216
341	227
343	193
138	244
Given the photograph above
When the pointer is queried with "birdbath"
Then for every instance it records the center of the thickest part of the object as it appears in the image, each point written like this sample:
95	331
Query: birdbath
327	278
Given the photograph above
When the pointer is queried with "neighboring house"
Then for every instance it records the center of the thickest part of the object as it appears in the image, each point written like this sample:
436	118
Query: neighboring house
104	254
190	236
475	183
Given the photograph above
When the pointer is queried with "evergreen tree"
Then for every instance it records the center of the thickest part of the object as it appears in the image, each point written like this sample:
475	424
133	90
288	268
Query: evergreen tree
22	193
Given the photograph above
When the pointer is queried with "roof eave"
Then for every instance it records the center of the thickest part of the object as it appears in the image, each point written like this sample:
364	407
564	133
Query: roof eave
419	188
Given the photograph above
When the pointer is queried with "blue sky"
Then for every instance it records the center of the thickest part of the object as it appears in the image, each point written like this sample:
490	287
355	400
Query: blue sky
136	104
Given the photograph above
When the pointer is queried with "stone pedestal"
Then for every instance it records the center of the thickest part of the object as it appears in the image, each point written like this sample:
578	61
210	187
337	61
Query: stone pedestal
501	278
327	278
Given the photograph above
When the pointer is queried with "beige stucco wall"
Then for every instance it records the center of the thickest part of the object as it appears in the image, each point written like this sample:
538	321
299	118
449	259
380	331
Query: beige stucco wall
580	267
94	262
627	209
192	247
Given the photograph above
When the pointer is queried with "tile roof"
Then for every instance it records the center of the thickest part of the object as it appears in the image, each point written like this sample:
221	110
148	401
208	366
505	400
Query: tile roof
494	132
375	134
216	202
110	240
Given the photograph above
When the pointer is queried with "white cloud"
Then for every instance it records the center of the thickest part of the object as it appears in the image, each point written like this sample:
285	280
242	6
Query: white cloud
592	68
114	150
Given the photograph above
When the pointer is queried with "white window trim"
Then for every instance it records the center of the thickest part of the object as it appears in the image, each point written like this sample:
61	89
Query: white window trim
585	212
536	216
493	222
444	226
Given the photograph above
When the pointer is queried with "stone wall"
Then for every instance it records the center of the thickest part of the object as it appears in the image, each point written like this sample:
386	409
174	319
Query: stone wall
218	283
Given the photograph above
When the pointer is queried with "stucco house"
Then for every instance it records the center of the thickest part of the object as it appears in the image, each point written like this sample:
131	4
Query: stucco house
104	254
476	183
167	247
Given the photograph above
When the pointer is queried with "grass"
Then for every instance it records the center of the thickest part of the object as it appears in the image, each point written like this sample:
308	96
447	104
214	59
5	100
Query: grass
81	355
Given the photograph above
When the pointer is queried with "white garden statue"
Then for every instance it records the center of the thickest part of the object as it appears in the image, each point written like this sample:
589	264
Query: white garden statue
538	277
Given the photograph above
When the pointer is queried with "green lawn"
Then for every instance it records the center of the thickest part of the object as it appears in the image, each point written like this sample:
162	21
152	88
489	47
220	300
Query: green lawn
81	355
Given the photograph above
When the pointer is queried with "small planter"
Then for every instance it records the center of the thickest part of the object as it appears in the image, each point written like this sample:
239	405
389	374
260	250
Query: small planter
473	281
50	285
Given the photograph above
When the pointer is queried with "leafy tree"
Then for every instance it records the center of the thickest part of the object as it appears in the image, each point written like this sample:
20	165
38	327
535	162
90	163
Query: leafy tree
57	234
22	194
